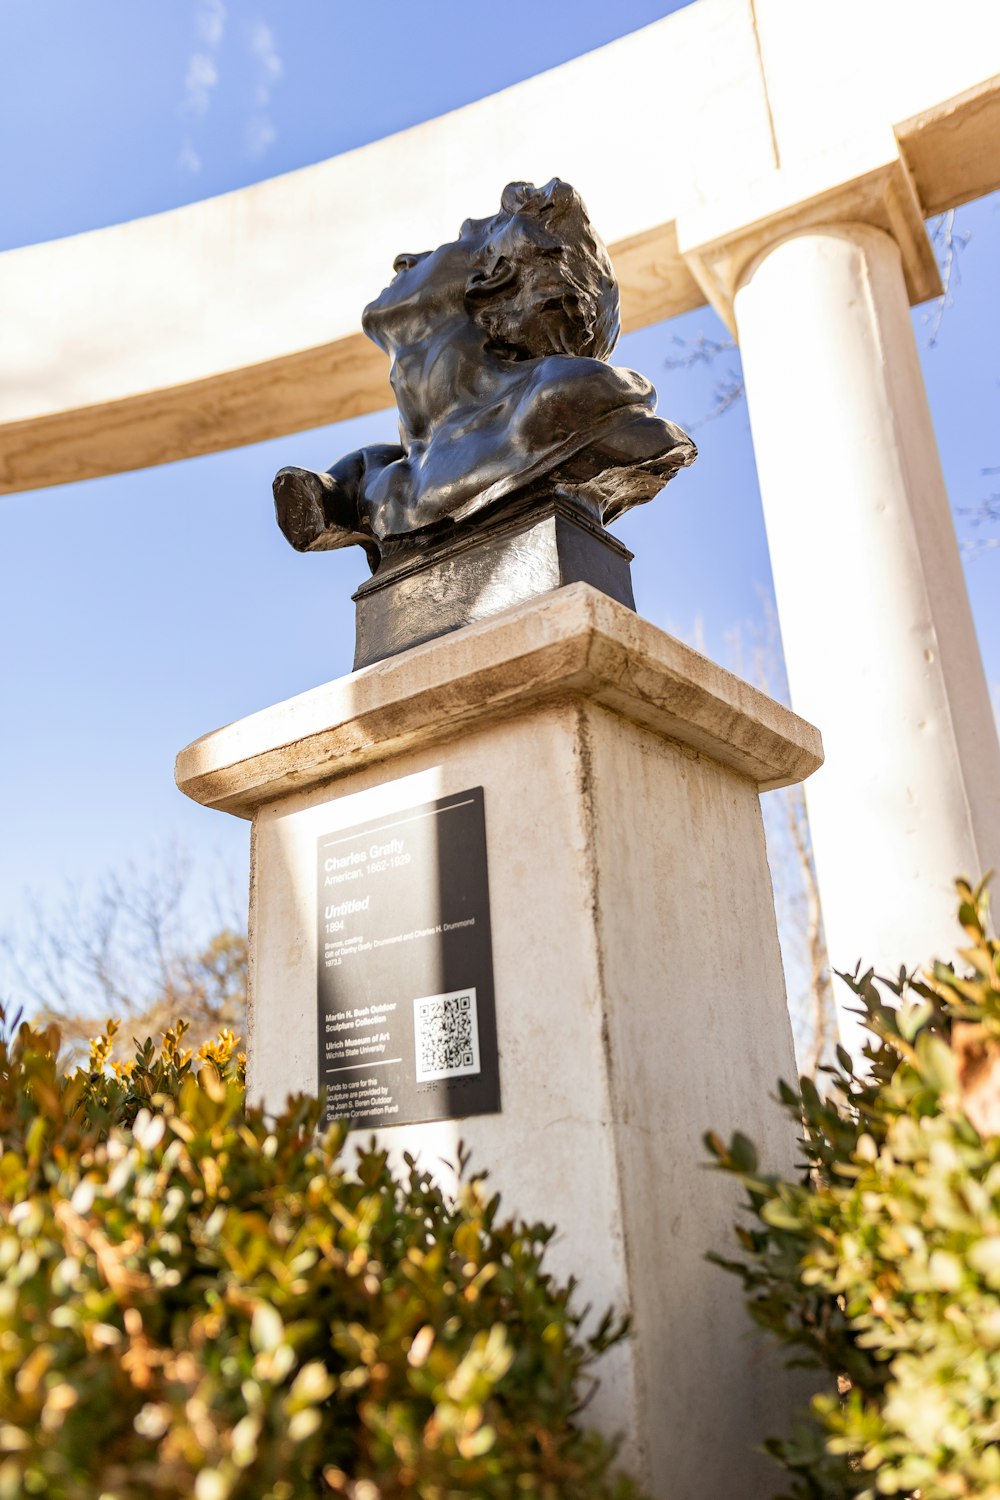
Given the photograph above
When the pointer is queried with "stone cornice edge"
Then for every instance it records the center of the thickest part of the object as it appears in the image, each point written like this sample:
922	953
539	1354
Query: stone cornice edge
574	644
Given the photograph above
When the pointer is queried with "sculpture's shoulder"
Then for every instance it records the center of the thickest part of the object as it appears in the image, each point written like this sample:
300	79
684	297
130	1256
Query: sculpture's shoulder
606	445
577	393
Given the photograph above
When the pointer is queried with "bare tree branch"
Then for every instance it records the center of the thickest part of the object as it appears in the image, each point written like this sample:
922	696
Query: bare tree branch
133	948
793	870
986	513
948	245
702	350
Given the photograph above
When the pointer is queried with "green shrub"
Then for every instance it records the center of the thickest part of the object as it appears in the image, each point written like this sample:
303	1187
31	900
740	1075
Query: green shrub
881	1262
198	1300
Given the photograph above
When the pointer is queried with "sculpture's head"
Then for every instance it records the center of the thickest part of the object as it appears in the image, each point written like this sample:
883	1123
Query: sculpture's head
535	278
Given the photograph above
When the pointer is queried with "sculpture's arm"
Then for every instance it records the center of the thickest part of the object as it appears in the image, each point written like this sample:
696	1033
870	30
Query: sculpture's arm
320	511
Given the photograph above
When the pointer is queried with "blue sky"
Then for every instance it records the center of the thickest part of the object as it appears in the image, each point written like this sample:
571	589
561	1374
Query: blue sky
141	610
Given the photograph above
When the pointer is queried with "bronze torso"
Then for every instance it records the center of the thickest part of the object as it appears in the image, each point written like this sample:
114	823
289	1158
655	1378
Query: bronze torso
497	341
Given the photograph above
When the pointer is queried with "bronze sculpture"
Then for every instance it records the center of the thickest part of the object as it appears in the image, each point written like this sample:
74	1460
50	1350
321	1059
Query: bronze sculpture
498	342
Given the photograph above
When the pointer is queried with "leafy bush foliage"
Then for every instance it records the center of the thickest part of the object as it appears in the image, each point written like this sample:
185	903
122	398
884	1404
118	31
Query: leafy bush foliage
200	1300
881	1263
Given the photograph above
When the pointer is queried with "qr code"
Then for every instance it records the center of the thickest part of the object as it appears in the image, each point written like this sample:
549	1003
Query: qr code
446	1035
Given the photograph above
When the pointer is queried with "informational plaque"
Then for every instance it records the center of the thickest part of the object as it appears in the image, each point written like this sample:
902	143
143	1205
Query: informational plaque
407	1023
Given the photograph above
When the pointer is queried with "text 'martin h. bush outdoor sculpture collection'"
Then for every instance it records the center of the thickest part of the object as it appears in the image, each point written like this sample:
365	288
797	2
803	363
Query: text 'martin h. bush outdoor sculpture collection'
515	432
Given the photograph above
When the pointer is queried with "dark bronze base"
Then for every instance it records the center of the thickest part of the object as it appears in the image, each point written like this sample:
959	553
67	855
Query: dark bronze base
523	551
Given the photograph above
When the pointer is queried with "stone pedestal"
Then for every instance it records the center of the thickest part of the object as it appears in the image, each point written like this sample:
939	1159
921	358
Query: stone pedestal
482	568
639	992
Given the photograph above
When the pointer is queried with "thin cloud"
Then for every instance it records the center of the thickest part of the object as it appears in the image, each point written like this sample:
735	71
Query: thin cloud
263	48
189	160
202	75
210	22
261	132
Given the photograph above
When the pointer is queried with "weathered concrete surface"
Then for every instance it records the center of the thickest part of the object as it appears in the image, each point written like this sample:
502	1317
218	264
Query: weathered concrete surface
639	993
878	635
187	332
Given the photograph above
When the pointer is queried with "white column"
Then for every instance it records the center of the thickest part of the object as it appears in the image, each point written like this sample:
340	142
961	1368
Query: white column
878	635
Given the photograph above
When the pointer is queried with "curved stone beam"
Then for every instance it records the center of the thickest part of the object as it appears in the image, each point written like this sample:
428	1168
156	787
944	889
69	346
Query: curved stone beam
236	318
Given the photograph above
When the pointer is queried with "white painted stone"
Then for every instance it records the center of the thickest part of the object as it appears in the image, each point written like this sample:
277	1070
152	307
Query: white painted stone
833	69
640	999
865	179
876	625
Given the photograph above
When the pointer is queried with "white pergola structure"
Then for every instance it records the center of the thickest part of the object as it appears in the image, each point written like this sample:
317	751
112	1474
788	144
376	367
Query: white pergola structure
775	158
